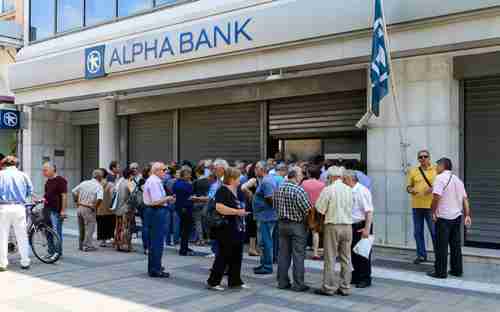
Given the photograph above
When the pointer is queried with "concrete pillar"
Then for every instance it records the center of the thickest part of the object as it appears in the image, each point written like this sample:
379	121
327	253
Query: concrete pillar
108	132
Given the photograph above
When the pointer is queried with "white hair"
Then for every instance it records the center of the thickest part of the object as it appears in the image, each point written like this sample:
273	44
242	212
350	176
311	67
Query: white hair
157	166
335	171
221	162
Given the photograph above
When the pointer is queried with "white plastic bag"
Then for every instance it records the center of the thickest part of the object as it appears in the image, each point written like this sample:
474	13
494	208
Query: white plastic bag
364	246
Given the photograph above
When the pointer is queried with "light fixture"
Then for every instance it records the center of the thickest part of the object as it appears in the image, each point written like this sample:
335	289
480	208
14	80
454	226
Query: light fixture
273	76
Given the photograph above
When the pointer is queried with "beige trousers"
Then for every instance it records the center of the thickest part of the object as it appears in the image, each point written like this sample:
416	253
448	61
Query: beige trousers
337	242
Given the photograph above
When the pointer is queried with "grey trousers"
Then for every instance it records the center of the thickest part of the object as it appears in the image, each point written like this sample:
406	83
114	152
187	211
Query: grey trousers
292	242
337	243
87	223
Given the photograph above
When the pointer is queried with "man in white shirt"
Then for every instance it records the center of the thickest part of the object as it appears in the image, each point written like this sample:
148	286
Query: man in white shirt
362	216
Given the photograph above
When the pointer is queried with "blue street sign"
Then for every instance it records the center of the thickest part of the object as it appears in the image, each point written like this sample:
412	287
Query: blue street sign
10	119
94	62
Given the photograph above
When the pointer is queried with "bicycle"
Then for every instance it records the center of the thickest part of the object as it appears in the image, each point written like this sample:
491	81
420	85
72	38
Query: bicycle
44	241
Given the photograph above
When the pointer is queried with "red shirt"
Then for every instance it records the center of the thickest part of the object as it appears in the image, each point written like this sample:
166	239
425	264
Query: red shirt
313	188
54	188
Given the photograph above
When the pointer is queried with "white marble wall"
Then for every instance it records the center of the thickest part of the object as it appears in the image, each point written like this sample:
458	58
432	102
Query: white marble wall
428	97
48	131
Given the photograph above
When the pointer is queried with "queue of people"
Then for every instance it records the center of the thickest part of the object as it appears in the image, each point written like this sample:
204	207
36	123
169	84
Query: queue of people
276	207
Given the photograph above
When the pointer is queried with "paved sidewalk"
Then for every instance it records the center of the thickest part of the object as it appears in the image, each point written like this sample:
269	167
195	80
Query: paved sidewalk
117	281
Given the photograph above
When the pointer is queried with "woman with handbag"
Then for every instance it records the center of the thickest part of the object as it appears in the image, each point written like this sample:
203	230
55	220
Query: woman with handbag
229	233
105	217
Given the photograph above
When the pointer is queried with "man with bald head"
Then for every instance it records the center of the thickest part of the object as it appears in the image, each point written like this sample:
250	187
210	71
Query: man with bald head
56	191
156	201
88	195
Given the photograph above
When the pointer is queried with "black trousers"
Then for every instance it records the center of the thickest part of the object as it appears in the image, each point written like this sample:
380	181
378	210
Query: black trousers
230	256
186	229
448	234
362	267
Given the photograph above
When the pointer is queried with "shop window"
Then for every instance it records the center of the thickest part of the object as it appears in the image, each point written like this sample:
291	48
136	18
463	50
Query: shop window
99	11
130	7
7	6
42	19
69	15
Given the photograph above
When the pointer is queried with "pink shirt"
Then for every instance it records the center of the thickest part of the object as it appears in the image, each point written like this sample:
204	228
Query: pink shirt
452	196
153	190
313	189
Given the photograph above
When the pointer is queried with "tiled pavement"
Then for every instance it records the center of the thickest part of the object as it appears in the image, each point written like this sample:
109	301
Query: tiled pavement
113	281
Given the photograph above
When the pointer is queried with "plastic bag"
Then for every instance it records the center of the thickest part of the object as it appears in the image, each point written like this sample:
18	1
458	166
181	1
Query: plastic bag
364	246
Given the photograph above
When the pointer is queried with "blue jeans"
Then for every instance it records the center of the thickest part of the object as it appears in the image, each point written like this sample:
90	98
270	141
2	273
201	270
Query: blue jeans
155	218
172	226
56	222
421	216
266	231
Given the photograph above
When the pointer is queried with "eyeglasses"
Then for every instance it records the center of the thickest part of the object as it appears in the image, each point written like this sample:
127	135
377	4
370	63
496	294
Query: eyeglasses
423	156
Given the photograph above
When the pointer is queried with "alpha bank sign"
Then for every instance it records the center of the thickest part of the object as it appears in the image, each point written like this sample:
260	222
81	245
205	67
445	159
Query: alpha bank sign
182	44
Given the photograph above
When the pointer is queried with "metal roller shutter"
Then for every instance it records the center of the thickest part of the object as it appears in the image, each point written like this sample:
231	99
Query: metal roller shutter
482	152
231	132
311	116
151	137
90	150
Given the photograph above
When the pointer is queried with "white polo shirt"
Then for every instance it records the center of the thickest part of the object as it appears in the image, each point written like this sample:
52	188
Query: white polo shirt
362	202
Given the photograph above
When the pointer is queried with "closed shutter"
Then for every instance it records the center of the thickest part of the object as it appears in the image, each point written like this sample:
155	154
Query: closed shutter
90	150
151	137
231	132
311	116
482	154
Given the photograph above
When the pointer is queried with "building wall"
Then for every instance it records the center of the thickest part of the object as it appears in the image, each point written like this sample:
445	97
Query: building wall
428	97
48	131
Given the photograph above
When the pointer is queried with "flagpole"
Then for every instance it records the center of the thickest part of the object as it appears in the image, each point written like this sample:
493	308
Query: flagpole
403	144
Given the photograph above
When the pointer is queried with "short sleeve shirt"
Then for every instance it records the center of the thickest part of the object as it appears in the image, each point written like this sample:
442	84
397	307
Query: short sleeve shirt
153	190
452	192
89	192
236	224
362	202
417	181
262	209
54	188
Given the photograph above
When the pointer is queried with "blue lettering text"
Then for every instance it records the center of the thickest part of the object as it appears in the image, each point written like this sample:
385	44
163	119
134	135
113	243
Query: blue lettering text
186	39
225	37
124	55
115	57
154	49
241	31
166	47
137	49
203	39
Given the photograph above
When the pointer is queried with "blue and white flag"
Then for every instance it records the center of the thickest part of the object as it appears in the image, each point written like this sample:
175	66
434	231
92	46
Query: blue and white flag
380	71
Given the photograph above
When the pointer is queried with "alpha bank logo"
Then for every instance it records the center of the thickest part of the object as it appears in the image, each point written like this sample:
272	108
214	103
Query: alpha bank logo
94	62
9	119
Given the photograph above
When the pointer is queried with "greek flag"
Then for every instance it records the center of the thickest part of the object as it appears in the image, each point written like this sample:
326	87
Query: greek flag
380	71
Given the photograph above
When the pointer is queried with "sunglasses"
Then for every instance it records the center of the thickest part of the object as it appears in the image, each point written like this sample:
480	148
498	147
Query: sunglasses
423	156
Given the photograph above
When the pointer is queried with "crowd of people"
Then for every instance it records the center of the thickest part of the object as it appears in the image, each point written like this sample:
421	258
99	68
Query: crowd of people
277	207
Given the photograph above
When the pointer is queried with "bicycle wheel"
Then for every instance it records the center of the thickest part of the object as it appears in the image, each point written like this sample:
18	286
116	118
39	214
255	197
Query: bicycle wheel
45	243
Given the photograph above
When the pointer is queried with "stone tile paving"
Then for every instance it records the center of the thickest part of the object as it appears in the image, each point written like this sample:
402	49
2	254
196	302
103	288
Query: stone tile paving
111	281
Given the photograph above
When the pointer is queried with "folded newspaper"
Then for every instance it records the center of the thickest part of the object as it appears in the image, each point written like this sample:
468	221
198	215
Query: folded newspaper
364	246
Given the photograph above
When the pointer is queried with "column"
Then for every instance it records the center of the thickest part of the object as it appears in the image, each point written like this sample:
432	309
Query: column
108	132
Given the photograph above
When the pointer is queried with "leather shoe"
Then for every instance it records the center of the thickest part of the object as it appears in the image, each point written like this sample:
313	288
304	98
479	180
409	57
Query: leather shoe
161	275
323	292
289	286
456	274
301	289
26	267
435	275
420	260
363	284
262	272
342	293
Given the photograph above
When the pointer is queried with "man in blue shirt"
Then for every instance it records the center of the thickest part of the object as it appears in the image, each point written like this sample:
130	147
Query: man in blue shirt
15	189
265	215
183	191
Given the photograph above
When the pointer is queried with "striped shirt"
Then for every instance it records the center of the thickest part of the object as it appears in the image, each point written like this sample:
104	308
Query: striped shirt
291	202
89	192
15	186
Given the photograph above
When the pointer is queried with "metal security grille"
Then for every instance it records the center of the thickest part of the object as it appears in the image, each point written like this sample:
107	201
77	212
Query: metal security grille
151	137
482	154
231	132
312	116
90	150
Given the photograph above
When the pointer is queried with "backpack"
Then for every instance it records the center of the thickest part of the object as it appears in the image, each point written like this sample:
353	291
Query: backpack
135	200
